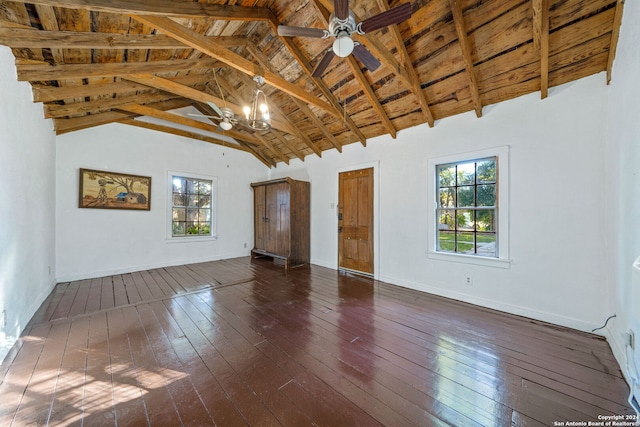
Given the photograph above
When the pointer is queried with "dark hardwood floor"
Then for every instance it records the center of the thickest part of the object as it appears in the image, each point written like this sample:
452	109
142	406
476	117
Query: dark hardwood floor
241	342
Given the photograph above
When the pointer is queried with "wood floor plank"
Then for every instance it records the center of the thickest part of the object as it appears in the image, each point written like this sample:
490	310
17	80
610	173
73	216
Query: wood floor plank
198	359
340	359
107	295
130	287
265	378
97	401
161	274
459	354
244	342
251	407
129	405
150	375
119	291
142	287
188	403
162	289
35	406
94	297
66	302
156	290
81	298
48	307
19	374
67	405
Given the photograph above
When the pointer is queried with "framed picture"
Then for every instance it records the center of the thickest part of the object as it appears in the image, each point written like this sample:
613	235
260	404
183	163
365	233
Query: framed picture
113	190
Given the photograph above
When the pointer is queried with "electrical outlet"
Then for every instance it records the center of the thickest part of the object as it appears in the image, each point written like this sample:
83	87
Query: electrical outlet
245	246
468	280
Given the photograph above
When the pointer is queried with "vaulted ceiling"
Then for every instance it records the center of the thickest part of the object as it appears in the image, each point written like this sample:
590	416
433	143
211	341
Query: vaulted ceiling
145	62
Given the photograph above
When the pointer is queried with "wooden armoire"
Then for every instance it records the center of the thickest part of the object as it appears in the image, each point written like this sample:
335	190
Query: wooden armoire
281	221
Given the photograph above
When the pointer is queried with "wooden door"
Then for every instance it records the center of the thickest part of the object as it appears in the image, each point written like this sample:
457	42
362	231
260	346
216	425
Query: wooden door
355	220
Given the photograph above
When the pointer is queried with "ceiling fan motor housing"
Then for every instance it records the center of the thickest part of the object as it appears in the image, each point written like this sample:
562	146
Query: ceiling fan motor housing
342	29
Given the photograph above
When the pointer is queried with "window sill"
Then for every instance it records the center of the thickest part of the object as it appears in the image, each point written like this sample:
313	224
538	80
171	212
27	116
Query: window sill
191	239
470	259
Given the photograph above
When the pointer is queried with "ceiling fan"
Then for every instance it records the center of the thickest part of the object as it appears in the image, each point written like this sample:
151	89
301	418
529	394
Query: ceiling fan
342	25
225	116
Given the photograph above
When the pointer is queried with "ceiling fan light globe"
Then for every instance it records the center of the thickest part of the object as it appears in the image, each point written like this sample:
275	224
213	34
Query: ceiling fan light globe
225	125
343	46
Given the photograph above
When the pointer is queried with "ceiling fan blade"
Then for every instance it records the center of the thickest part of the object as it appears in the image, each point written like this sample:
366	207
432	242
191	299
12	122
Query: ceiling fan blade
323	64
341	8
286	31
389	17
203	116
215	108
366	57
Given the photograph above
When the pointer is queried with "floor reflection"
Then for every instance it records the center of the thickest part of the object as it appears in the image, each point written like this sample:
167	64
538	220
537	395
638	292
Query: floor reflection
356	313
469	381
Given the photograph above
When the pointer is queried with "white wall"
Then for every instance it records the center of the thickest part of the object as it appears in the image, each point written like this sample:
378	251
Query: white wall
27	204
623	198
557	195
97	242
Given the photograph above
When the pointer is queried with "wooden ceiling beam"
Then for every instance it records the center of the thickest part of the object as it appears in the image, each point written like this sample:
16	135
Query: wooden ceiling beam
164	8
201	43
307	112
280	156
258	155
463	42
62	126
30	71
413	79
540	9
186	121
615	35
34	38
77	123
371	96
290	145
42	93
99	105
188	92
49	22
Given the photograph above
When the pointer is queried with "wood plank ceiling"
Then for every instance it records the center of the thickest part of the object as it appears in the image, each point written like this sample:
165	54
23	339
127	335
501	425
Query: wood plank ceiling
93	62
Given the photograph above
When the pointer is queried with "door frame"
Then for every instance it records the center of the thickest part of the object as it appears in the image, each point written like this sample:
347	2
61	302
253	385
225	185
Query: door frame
376	211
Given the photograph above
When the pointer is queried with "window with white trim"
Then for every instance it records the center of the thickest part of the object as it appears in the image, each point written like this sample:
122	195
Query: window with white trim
192	206
469	221
467	207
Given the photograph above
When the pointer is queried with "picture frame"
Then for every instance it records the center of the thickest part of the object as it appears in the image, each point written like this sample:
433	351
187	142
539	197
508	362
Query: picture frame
114	190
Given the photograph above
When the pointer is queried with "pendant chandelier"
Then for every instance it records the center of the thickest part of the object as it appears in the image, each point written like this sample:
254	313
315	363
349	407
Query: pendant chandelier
258	116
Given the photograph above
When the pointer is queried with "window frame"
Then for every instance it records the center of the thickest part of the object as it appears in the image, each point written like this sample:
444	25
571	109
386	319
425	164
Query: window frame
502	207
169	222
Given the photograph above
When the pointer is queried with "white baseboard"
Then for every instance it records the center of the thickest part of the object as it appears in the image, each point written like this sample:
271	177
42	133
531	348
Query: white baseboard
518	310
